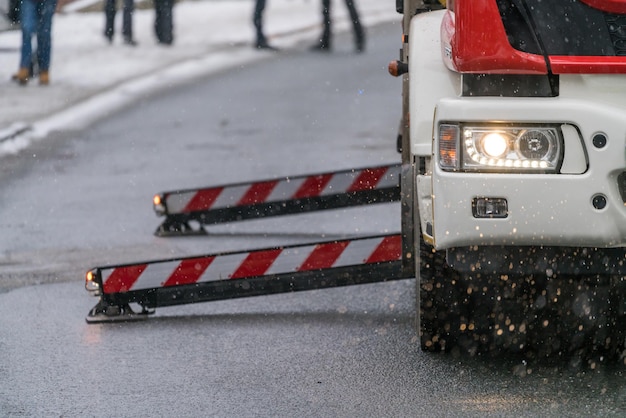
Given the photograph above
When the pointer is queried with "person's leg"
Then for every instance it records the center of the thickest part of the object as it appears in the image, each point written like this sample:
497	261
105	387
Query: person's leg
258	22
109	19
257	19
163	23
28	19
44	38
359	35
323	43
127	22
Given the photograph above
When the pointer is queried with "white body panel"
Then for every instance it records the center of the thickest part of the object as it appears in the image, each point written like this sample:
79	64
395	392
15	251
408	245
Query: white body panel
544	209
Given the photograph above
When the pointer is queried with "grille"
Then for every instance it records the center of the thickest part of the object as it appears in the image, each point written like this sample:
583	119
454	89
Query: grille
617	30
563	27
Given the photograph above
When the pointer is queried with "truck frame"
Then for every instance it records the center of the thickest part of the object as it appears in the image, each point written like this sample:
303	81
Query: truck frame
512	190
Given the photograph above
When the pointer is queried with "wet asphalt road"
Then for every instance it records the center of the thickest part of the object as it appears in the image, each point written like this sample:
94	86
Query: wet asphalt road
83	199
340	352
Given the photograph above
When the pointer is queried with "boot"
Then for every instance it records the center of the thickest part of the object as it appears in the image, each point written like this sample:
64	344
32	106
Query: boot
261	43
359	42
44	78
22	76
323	43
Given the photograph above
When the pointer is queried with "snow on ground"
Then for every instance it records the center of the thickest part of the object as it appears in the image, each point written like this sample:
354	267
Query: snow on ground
90	78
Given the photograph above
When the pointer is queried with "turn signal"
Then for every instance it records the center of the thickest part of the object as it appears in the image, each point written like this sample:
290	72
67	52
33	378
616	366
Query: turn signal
397	68
91	283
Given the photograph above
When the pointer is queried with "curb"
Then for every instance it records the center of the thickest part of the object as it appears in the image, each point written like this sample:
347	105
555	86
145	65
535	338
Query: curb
14	131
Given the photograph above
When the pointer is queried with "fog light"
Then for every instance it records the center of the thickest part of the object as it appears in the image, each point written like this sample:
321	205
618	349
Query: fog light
490	207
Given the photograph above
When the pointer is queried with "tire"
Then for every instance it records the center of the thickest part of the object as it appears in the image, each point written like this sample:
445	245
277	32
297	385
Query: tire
581	320
442	306
470	313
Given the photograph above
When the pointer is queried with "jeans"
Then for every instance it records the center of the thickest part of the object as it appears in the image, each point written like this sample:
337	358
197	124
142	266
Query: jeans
36	18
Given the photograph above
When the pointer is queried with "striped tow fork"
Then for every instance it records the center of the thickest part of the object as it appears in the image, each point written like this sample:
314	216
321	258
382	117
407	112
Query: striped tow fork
228	275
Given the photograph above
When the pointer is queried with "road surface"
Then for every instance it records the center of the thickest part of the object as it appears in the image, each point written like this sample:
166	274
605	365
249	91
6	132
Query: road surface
84	199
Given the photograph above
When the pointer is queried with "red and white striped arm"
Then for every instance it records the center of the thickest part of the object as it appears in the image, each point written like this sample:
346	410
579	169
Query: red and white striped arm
250	264
289	188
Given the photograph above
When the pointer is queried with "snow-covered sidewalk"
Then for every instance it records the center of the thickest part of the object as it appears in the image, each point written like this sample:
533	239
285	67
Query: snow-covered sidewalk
89	77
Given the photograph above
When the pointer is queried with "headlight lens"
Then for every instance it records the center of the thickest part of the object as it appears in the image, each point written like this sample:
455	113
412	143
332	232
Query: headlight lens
500	148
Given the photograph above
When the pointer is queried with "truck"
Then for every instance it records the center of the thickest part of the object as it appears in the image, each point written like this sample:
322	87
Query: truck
511	183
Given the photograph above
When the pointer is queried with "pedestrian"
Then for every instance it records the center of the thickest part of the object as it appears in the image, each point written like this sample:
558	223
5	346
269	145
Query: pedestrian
163	21
324	42
110	9
261	40
36	19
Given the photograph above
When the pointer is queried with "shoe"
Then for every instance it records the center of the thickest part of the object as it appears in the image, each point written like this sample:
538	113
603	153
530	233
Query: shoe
261	43
44	78
265	45
359	40
22	76
130	42
108	34
359	44
320	47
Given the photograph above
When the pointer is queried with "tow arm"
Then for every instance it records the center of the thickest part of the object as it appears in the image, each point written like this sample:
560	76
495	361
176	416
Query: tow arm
160	283
187	211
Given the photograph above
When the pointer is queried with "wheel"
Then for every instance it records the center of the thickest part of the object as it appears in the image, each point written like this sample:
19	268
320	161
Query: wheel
578	319
442	304
472	313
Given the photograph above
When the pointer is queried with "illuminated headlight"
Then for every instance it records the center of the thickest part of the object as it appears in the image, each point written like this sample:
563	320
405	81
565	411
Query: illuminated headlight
500	148
91	282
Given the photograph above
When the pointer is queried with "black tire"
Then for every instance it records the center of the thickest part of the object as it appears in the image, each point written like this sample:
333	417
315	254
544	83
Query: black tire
470	313
442	305
581	320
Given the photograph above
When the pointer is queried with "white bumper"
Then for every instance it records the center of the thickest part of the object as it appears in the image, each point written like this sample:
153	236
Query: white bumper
543	209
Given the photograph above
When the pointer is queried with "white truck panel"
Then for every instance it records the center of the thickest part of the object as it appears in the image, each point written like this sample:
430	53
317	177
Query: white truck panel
430	79
544	209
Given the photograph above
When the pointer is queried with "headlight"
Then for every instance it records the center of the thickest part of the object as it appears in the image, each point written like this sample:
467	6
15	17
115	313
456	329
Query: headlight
500	148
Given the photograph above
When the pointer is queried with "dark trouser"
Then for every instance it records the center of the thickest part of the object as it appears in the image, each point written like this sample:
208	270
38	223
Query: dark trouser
258	21
354	17
163	22
110	7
